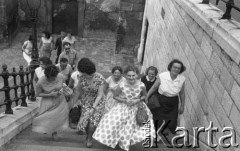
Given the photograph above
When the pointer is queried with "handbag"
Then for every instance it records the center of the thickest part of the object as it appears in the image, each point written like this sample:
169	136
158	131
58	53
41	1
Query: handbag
153	101
142	116
74	116
67	91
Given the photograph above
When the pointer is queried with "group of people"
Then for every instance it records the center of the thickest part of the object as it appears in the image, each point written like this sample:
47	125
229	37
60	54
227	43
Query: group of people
109	107
64	45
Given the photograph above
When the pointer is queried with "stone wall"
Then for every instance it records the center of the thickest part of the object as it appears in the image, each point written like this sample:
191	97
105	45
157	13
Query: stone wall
130	24
8	20
210	49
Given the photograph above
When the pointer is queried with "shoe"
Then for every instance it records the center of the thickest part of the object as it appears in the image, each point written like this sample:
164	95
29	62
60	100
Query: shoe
89	144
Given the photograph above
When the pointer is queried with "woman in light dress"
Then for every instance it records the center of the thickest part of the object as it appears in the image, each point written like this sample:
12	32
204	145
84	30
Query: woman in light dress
39	71
53	110
112	82
71	39
27	49
46	44
119	125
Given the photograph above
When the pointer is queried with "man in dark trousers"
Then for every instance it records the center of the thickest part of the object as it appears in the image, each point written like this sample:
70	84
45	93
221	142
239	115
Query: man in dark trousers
58	44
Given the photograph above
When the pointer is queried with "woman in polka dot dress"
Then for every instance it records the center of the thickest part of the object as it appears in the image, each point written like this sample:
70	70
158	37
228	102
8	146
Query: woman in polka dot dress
119	126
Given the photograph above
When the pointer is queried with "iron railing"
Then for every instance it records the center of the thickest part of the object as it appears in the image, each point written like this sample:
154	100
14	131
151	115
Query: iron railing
229	5
22	80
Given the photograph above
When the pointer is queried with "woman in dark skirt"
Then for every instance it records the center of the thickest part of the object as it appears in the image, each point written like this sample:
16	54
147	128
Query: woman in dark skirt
170	86
149	79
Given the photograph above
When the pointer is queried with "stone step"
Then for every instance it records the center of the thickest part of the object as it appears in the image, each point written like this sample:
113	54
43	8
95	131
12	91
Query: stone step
24	147
69	140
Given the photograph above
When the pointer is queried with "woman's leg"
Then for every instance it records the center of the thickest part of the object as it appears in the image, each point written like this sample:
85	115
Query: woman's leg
90	130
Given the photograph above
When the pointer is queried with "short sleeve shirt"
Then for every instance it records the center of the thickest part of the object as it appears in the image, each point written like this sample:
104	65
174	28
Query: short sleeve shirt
112	83
169	87
66	72
75	76
71	56
71	41
39	72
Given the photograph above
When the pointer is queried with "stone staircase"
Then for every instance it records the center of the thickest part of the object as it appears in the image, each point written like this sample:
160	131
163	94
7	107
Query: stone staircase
70	140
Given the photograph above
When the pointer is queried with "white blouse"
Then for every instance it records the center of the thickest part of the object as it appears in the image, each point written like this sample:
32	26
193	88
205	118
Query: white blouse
39	72
112	83
169	87
75	75
71	41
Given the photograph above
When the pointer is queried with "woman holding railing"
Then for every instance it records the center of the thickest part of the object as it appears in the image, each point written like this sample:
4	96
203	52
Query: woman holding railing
53	111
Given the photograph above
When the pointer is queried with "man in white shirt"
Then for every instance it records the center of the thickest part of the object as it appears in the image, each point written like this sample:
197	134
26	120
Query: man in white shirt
65	69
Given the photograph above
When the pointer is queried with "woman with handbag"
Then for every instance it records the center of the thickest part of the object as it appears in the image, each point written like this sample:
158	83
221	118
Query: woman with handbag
149	79
53	110
122	125
170	86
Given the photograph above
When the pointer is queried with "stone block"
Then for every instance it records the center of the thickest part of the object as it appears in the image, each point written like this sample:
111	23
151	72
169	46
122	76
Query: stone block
200	74
217	86
235	71
201	97
227	80
234	117
188	86
202	60
187	50
212	118
134	1
224	39
193	78
216	63
206	47
138	7
235	94
126	6
209	92
221	115
198	34
227	102
192	59
227	61
216	48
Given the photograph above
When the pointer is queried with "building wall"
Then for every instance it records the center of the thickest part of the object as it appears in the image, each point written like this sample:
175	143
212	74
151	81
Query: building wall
8	20
210	50
129	30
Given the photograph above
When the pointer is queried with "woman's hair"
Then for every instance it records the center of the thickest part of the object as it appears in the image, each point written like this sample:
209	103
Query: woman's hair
85	65
131	68
183	68
47	34
30	38
51	71
152	68
63	60
66	43
45	60
117	68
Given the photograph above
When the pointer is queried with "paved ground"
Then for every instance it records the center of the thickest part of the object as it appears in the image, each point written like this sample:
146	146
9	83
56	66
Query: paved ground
100	50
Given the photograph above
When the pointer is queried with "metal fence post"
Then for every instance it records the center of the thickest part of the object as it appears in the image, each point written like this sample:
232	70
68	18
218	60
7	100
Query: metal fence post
227	14
22	85
15	86
6	89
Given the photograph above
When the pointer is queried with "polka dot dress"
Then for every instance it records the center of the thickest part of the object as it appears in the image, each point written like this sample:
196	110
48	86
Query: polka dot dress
118	126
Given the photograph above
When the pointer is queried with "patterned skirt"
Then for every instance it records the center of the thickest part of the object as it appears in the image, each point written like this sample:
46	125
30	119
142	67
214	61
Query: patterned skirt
86	107
119	126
